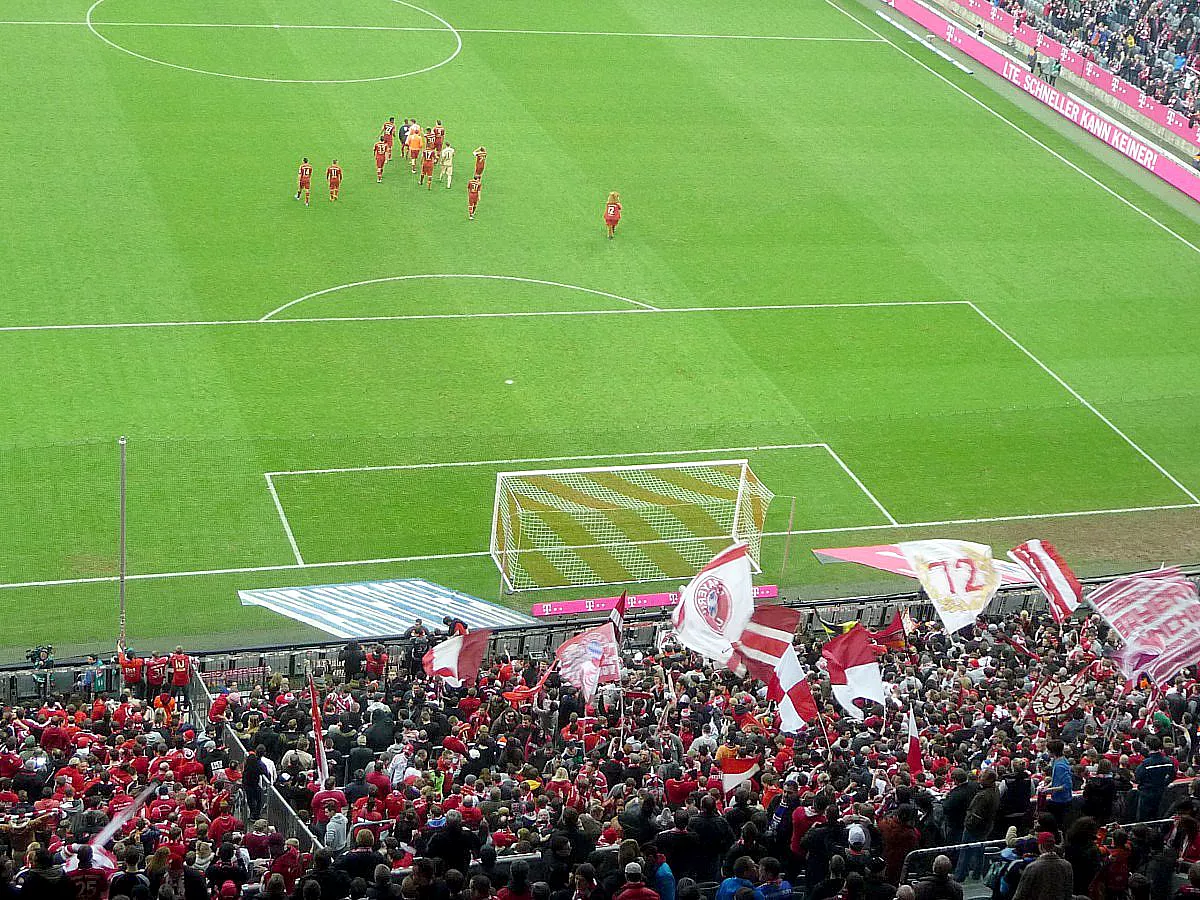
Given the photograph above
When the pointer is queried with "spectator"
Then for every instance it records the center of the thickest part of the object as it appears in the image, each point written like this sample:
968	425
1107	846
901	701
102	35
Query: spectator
1049	877
939	885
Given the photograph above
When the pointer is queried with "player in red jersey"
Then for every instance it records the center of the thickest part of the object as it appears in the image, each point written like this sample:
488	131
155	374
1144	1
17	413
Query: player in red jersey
429	156
305	186
612	214
474	186
438	135
334	176
382	153
480	160
389	135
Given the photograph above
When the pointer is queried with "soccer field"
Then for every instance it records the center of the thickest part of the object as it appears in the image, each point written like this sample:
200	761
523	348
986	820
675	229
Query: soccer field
916	308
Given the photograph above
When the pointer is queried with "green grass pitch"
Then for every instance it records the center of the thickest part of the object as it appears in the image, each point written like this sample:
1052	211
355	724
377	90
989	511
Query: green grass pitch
823	244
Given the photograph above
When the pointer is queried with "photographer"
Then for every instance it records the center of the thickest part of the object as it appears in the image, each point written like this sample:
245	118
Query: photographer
42	659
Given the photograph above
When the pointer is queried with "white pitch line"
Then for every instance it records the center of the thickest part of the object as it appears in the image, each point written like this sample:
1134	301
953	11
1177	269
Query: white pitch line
455	464
528	31
1100	184
519	314
862	487
988	519
1074	393
453	275
291	567
287	527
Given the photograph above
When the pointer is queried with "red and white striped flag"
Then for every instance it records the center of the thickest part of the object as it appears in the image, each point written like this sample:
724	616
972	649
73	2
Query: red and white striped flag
1049	572
737	771
763	642
789	686
319	757
853	670
916	764
765	651
617	616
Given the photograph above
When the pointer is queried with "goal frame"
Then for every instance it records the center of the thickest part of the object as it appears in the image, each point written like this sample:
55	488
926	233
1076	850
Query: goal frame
497	553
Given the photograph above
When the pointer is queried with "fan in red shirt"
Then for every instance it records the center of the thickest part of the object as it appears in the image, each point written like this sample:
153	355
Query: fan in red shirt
381	158
376	662
305	175
90	881
612	214
428	157
334	176
388	135
156	674
132	666
181	672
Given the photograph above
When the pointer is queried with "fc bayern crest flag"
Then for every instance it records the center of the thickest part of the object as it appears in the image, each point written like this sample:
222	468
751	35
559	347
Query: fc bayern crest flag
590	659
715	606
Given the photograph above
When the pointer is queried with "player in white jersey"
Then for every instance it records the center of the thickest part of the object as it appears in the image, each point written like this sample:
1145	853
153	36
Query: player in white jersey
447	165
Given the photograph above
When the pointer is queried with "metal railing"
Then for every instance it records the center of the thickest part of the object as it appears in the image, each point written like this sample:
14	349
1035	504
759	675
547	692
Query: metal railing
277	811
293	660
919	863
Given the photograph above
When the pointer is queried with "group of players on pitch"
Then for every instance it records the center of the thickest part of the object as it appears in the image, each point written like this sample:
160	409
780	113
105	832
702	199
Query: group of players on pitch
424	149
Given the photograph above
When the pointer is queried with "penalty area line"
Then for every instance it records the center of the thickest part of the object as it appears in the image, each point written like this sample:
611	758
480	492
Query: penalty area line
294	567
1087	404
518	314
287	527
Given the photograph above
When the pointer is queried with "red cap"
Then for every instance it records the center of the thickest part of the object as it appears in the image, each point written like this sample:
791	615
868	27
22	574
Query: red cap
1046	841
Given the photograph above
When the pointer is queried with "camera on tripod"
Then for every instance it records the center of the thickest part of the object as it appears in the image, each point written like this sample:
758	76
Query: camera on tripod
40	655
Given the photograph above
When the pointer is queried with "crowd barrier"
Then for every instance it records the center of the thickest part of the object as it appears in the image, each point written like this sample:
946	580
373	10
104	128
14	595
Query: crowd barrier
1177	174
277	812
245	667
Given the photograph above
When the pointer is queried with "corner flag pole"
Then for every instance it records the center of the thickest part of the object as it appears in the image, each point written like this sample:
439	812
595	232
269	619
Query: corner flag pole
121	547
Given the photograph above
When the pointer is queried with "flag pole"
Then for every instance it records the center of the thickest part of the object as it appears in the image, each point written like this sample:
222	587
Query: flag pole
121	544
787	541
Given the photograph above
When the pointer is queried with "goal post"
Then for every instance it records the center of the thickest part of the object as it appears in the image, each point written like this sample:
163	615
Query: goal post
554	528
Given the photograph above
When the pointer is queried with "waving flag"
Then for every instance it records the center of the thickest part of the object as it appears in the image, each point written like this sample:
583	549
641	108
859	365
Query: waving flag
960	578
737	771
763	641
525	694
789	686
617	616
1050	573
457	660
916	764
590	659
715	606
1157	615
894	635
853	670
319	757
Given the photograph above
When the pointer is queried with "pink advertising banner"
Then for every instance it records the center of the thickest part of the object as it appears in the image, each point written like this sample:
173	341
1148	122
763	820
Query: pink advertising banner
1096	75
1167	168
633	601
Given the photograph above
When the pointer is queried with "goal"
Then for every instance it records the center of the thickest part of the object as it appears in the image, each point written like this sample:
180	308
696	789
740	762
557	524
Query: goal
615	524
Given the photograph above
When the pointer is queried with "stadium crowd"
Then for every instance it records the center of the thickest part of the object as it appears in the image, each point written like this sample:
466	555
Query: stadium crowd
442	794
1153	44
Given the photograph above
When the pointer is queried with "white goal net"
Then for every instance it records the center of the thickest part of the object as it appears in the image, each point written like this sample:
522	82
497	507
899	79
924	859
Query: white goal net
616	524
